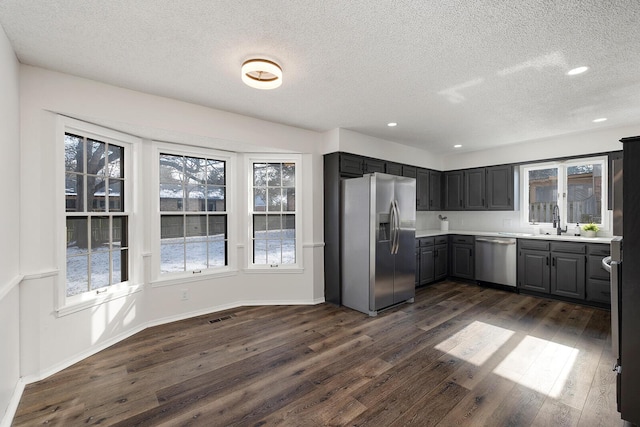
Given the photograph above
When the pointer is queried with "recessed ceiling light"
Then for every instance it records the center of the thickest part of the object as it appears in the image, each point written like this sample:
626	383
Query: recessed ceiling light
392	124
601	119
576	71
261	74
457	146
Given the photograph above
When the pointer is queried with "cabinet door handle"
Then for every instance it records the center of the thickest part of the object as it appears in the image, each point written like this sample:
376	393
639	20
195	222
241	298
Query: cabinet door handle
430	202
508	200
553	261
547	258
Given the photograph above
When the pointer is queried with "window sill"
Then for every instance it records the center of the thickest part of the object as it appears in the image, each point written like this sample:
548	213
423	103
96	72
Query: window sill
96	300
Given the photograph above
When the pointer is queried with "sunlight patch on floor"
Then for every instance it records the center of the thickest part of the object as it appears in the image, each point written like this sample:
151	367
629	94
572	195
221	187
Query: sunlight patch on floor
539	364
476	343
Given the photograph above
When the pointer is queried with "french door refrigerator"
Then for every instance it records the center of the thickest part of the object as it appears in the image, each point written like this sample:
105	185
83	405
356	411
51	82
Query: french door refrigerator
378	241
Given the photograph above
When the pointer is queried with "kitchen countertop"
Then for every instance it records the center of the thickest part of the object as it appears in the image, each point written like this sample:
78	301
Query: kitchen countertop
563	237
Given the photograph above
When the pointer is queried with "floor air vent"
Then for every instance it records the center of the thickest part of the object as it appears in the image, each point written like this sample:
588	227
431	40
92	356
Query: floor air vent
220	319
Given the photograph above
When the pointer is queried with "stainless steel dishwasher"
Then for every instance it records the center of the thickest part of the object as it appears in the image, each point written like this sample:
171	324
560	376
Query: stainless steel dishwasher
496	259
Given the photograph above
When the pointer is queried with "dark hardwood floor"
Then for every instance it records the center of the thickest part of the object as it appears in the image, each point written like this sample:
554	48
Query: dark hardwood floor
460	355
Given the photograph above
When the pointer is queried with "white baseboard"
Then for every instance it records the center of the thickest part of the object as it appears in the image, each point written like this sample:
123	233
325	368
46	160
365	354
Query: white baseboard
10	413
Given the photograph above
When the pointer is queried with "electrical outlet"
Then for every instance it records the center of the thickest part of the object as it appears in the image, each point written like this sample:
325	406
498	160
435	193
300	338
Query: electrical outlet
185	294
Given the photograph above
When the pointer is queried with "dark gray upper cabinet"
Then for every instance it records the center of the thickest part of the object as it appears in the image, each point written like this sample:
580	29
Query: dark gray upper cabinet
422	190
409	171
499	187
435	190
394	168
351	165
374	165
453	191
474	189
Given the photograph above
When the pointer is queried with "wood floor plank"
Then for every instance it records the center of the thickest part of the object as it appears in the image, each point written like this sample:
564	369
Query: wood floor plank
461	354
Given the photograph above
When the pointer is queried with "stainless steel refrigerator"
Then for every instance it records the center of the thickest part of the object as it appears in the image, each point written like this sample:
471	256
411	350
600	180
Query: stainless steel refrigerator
378	242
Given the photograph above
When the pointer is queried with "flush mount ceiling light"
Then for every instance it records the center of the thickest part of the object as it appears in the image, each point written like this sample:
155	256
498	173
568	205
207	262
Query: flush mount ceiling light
576	71
261	74
392	124
601	119
457	146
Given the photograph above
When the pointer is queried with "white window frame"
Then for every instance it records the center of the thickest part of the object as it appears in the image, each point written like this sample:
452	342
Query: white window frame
296	159
160	279
66	305
562	167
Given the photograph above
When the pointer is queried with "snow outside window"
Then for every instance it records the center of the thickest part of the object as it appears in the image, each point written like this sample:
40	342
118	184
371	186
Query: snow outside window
193	213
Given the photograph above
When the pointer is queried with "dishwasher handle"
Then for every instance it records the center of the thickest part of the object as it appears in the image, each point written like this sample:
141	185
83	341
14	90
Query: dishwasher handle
496	241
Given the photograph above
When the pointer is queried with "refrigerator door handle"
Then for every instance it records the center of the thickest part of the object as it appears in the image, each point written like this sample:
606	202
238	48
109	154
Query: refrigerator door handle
396	226
392	227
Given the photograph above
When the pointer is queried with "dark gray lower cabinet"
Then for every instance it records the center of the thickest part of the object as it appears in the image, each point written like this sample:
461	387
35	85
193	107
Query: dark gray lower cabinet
568	274
462	259
554	268
533	270
431	259
598	280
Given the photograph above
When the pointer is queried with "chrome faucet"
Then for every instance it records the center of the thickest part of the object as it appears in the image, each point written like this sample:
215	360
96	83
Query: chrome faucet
556	220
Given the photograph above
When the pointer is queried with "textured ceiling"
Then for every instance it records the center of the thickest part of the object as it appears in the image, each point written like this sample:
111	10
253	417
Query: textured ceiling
478	73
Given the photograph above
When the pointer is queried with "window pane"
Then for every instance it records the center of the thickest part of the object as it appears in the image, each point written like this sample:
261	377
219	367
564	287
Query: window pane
115	166
116	195
274	202
288	174
288	251
99	234
274	252
73	153
543	194
77	275
74	192
216	172
217	227
195	170
217	253
171	256
259	175
259	226
584	193
195	198
122	273
289	199
289	226
171	226
171	169
274	227
96	193
77	236
119	232
259	199
171	197
196	228
96	157
259	251
274	175
99	270
116	269
196	255
216	199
